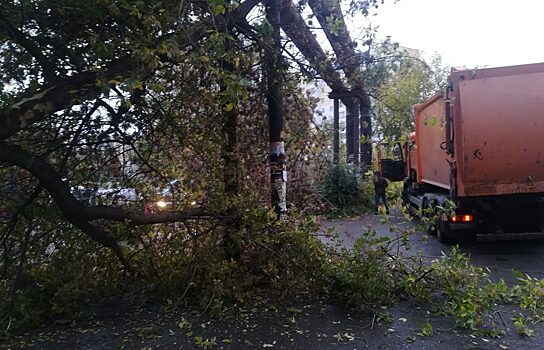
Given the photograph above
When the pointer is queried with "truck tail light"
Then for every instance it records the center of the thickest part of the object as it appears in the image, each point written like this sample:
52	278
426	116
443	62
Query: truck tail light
462	218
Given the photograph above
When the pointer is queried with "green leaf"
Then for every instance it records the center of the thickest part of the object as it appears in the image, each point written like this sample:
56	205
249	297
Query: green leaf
228	107
218	9
426	330
334	25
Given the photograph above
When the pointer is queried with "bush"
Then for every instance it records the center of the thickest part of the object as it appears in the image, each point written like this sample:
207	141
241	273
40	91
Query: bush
200	270
362	278
272	256
211	268
60	288
344	189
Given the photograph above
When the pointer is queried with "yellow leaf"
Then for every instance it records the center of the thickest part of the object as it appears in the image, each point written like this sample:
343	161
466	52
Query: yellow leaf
228	107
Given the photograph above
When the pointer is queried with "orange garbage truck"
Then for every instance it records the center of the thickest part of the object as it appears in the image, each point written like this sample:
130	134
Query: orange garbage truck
480	146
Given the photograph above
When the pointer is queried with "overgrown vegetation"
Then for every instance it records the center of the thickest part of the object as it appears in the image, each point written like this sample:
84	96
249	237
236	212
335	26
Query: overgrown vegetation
281	260
345	190
399	78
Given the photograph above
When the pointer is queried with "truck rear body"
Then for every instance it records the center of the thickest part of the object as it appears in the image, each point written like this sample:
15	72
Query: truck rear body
498	130
481	146
497	123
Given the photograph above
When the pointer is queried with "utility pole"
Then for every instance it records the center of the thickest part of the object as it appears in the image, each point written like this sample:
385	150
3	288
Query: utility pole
274	96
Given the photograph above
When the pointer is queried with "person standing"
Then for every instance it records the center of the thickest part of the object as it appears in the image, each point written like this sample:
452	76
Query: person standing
380	184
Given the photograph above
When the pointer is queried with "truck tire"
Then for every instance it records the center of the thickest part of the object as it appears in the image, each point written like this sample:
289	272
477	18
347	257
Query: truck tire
540	215
443	232
404	197
405	188
430	228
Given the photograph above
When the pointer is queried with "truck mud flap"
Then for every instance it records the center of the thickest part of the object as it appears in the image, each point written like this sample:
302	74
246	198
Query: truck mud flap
510	236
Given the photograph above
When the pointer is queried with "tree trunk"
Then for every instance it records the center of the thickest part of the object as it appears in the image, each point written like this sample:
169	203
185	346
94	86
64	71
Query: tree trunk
231	166
274	67
295	27
229	154
349	131
347	58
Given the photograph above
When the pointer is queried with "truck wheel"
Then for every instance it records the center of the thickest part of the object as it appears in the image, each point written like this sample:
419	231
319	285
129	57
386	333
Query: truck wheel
405	188
432	229
431	224
443	232
540	215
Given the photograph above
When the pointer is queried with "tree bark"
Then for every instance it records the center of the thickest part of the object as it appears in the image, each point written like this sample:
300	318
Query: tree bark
336	131
355	131
296	29
274	96
330	16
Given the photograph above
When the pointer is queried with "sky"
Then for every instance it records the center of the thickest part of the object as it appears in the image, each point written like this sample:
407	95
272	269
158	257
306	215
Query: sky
469	33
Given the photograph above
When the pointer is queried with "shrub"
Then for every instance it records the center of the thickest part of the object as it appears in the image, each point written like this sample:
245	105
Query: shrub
344	188
59	288
362	277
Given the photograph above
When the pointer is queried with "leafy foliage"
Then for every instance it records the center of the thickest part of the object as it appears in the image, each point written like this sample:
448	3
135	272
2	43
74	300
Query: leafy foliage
344	188
60	286
362	277
136	96
398	80
110	97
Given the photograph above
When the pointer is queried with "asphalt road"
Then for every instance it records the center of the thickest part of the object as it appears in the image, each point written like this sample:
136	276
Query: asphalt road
500	257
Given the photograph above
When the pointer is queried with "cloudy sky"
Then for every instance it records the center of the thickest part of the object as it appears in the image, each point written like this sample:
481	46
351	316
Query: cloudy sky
471	33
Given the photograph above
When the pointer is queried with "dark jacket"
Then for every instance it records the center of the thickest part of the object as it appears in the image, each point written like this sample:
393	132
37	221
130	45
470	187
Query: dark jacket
380	184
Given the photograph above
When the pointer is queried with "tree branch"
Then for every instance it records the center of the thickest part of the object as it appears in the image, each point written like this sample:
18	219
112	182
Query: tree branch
295	27
339	38
57	96
66	92
76	211
6	29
